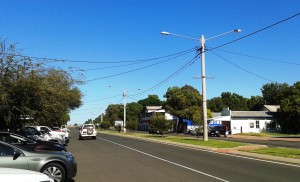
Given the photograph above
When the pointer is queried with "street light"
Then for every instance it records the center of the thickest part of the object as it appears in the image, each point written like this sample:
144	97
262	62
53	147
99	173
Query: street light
202	44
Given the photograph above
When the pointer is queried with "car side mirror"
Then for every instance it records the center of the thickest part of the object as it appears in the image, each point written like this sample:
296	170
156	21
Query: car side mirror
16	154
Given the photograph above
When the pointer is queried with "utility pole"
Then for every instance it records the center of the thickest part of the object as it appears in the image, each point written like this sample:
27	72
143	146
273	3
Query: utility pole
202	50
124	122
204	106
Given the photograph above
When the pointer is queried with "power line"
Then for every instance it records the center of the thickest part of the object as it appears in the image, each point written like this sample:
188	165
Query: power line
255	32
261	58
140	68
189	63
102	68
93	62
242	68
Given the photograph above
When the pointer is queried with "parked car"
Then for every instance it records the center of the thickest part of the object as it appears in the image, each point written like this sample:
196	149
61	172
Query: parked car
34	134
87	131
217	131
59	166
61	133
30	144
12	174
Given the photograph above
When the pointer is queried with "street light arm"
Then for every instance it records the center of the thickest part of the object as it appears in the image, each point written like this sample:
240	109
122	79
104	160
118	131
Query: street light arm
236	31
177	35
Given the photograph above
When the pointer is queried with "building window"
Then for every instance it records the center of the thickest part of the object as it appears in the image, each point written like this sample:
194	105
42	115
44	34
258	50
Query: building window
257	124
251	124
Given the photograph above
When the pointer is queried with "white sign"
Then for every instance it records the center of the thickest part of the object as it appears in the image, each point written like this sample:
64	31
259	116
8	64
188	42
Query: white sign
118	123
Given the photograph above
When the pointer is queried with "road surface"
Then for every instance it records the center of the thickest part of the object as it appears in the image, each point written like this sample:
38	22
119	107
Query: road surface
113	158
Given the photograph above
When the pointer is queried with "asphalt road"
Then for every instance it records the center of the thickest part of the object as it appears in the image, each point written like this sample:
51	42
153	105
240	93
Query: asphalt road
112	158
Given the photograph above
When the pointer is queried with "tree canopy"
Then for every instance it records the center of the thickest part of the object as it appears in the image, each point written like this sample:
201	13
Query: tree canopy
185	103
31	92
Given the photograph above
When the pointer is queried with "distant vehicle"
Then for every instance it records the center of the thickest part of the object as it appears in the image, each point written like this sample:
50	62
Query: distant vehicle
217	131
11	174
59	166
30	144
87	131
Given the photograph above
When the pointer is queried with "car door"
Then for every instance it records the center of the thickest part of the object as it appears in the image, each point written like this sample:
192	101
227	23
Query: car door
7	157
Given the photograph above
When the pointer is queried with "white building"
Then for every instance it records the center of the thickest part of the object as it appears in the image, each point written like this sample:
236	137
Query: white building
248	121
149	111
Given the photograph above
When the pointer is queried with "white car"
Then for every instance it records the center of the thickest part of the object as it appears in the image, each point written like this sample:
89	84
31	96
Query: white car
87	130
11	174
62	133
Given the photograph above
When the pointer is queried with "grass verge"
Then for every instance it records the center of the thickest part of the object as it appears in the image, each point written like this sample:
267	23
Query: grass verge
280	152
262	134
182	140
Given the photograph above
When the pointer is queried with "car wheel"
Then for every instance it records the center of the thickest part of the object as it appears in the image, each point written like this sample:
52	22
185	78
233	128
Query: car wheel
94	137
55	172
80	138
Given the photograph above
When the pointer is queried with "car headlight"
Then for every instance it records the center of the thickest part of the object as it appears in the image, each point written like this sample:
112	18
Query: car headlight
70	157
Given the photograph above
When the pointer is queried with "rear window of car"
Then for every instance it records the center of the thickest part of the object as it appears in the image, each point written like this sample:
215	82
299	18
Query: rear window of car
88	126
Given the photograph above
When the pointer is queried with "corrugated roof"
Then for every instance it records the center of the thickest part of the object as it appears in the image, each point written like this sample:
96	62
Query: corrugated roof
153	107
216	114
264	114
272	108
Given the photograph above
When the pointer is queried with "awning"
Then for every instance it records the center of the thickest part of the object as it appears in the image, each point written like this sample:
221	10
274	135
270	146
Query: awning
221	118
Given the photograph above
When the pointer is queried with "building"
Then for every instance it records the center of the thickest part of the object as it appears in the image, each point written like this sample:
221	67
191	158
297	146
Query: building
149	112
249	121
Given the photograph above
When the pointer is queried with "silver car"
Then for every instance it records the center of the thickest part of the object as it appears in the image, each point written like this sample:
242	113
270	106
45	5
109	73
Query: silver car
59	166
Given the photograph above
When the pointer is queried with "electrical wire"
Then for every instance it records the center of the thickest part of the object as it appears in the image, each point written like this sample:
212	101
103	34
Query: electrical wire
261	58
255	32
242	68
93	62
102	68
140	68
189	63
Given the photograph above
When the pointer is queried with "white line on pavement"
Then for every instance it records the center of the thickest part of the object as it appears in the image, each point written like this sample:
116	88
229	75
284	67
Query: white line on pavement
176	164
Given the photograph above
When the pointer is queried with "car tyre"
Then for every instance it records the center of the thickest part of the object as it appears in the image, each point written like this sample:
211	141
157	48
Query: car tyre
55	172
94	137
80	138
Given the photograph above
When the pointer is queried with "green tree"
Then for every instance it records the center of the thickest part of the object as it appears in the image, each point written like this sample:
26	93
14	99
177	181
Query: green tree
273	93
289	118
255	103
215	104
234	101
162	125
133	111
183	102
132	124
105	125
89	121
113	113
151	100
30	91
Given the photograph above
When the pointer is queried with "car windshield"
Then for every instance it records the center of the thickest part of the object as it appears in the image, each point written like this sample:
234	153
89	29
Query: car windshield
32	131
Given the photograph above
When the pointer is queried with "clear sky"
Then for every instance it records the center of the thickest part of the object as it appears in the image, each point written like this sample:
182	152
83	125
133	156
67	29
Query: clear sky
111	45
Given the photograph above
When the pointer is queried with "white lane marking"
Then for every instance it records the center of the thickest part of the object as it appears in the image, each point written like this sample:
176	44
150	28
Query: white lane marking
232	155
239	156
176	164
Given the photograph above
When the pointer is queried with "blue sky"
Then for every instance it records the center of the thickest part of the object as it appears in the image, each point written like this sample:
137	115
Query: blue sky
119	31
